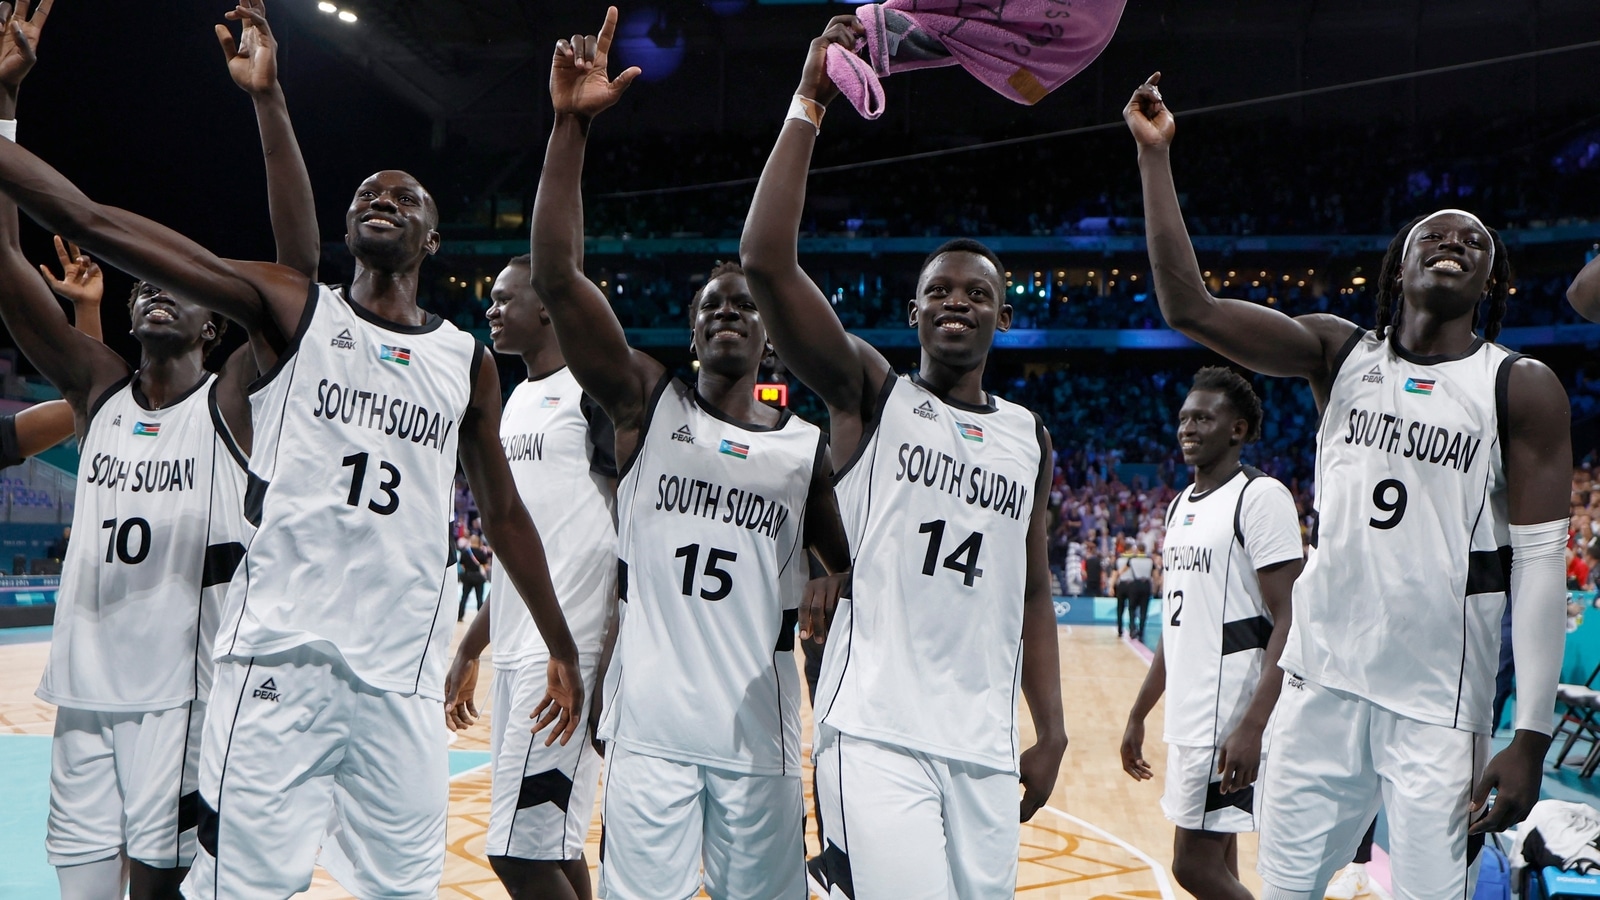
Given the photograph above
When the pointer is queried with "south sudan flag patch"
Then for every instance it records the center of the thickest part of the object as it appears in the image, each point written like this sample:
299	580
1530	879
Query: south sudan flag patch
733	448
146	429
397	355
1419	386
970	431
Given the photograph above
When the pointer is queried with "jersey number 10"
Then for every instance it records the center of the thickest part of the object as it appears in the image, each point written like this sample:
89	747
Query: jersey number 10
119	542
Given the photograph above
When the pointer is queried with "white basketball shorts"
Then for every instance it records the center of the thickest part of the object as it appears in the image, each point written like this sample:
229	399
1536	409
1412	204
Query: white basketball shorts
1335	758
543	797
300	755
1192	800
124	782
908	825
664	820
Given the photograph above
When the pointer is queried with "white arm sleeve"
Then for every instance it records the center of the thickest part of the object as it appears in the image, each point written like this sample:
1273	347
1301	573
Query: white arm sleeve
1538	619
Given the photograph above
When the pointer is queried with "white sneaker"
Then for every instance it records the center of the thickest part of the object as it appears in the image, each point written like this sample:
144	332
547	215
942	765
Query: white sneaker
1351	882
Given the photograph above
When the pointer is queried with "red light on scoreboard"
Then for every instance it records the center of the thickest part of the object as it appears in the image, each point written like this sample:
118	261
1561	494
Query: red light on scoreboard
775	394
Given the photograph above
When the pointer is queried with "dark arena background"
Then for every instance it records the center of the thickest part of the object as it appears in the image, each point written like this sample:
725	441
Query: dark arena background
1309	133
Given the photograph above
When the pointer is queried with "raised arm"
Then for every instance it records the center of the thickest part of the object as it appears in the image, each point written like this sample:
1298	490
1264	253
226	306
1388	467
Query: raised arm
253	63
844	371
618	377
1255	336
506	524
81	283
1584	292
74	362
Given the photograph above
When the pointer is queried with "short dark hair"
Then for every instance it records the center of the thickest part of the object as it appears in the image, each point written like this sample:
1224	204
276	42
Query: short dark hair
718	269
965	245
1240	395
525	259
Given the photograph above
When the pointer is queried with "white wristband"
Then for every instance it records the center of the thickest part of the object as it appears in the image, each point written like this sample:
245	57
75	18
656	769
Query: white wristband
8	129
806	109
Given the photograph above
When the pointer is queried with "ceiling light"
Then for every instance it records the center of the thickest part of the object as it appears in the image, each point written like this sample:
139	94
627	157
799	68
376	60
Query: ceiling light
346	15
327	7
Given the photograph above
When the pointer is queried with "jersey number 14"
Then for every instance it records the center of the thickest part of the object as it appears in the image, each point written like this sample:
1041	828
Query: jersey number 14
963	559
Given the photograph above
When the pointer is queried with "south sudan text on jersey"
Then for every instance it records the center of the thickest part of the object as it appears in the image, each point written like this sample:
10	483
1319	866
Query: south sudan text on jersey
1413	440
940	471
145	476
523	447
730	505
393	416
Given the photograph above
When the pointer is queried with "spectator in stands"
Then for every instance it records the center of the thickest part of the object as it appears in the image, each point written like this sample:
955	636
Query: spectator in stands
58	549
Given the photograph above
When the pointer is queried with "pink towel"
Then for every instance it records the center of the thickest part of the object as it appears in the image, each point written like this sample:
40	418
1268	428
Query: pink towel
1022	48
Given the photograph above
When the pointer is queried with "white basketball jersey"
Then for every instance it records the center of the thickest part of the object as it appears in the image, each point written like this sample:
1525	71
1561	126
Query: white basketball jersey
550	446
928	653
710	517
1400	602
158	529
1215	624
353	474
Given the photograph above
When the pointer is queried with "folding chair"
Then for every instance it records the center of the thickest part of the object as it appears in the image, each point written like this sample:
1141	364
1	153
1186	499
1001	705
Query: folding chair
1578	722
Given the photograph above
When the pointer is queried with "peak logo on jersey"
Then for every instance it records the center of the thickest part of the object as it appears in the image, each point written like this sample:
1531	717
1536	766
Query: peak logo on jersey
397	355
1188	519
1373	377
267	691
971	432
731	448
147	429
549	402
344	341
683	434
1419	386
926	411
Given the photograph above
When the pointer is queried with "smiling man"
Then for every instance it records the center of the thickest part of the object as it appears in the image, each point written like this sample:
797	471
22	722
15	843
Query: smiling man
1231	555
720	496
943	491
1439	455
331	657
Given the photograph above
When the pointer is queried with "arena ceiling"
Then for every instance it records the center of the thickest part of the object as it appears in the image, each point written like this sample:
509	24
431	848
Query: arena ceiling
476	68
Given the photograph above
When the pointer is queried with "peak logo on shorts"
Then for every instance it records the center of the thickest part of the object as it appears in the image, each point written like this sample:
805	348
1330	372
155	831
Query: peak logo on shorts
1296	682
1422	386
400	356
344	341
147	429
267	691
971	432
683	434
1373	377
926	411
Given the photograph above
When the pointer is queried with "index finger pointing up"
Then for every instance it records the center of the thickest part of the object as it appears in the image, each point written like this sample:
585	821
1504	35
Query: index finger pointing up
607	30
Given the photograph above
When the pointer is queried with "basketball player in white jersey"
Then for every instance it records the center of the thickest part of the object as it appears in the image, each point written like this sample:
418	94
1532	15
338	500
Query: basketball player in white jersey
1231	554
559	444
1584	292
1439	454
159	514
331	653
719	498
943	487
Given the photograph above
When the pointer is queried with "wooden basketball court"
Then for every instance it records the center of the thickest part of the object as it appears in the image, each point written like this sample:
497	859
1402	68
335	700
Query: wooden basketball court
1102	838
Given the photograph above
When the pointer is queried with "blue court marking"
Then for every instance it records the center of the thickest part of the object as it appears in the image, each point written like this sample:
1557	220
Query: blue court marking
32	634
25	873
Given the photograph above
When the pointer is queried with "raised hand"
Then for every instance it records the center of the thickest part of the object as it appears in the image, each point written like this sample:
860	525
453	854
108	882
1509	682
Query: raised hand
81	280
578	81
19	41
1147	115
814	81
253	59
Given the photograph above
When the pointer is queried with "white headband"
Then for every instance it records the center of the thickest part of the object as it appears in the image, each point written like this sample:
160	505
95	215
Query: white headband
1412	234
